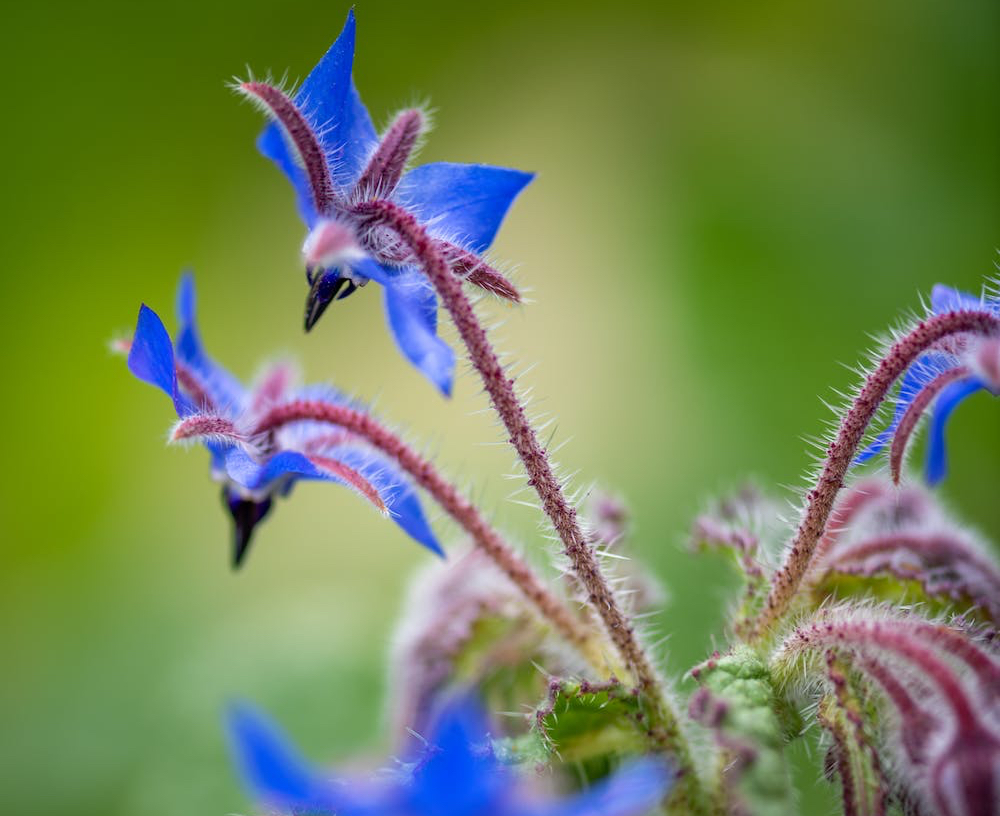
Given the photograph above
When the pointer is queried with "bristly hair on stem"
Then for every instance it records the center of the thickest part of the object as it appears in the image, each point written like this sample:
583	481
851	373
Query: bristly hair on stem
533	456
841	451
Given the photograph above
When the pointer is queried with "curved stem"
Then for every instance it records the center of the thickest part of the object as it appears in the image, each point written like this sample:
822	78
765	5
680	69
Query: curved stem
453	502
533	456
840	453
522	434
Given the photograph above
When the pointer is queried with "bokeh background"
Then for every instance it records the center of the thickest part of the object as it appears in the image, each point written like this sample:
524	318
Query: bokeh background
729	198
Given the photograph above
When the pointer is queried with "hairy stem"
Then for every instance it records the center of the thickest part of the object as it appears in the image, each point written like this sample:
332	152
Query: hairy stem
453	502
840	453
522	434
561	513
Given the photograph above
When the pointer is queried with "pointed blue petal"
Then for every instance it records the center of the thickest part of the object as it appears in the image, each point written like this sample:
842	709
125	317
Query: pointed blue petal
271	144
396	490
270	765
947	401
945	299
248	473
330	103
462	203
276	773
461	775
225	391
632	791
151	358
411	309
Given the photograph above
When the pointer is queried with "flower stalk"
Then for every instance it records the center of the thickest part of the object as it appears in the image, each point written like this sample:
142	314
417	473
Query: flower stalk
840	453
466	514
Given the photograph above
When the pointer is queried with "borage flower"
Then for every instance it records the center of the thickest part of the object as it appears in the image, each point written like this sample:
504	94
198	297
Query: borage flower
255	463
458	774
939	380
324	141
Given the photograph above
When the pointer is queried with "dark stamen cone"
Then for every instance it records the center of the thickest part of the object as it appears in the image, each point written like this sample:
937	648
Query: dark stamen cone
247	514
325	289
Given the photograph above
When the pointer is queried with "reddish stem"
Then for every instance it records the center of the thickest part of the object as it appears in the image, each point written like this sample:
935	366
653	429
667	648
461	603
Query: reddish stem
913	413
840	453
522	434
302	137
453	502
384	169
351	477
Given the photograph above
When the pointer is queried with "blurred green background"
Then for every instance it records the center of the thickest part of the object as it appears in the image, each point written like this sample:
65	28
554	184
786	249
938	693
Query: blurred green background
730	196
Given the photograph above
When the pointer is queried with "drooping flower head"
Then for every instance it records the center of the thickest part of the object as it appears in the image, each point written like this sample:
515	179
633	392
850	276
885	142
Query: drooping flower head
324	141
939	380
254	456
458	774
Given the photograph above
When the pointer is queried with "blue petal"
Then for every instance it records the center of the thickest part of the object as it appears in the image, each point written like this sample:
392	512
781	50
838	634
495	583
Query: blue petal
397	492
924	369
151	358
248	473
458	779
411	309
275	772
330	102
945	299
222	388
271	144
632	791
463	203
947	401
399	496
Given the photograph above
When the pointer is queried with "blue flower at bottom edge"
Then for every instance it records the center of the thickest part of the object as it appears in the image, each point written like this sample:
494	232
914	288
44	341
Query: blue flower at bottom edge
457	774
325	143
967	365
254	464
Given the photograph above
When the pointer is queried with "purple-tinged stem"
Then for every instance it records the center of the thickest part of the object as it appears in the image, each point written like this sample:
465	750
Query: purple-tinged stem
913	413
522	434
386	166
840	453
469	266
533	456
451	500
353	478
302	137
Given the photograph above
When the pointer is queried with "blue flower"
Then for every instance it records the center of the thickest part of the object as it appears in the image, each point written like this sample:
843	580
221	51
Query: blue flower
255	456
942	378
325	143
458	774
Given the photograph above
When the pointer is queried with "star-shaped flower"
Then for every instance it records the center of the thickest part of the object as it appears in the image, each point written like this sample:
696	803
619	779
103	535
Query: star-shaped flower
254	459
324	141
458	774
939	380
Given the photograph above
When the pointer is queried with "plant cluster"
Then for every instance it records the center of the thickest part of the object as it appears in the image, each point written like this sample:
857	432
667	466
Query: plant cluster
873	615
